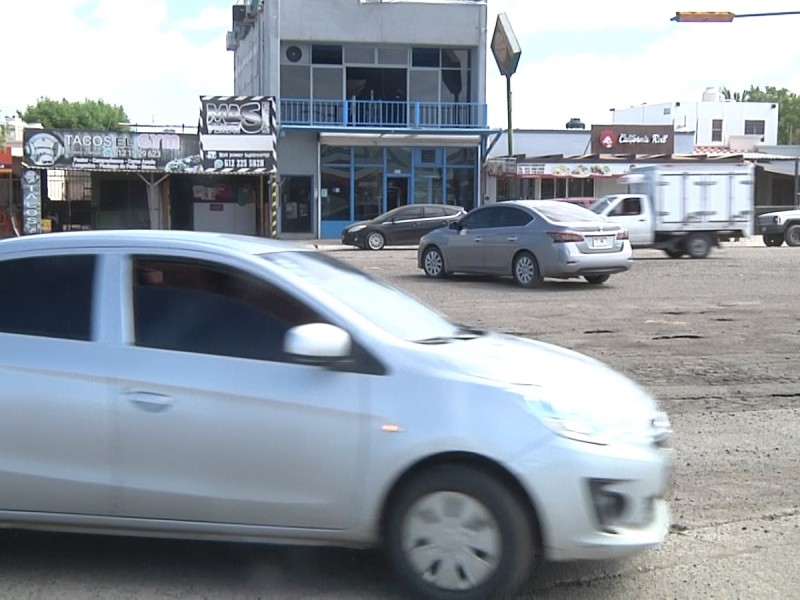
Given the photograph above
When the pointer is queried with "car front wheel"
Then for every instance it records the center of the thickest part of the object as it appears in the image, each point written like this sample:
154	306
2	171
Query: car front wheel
792	235
433	262
525	270
455	532
375	240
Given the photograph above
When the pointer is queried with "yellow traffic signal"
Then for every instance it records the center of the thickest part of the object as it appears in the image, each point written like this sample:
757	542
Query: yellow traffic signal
703	17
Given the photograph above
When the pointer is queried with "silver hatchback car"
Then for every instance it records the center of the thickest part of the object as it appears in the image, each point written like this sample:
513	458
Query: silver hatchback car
212	386
528	240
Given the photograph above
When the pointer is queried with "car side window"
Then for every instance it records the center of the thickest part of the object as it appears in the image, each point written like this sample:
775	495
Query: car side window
207	308
433	212
628	207
479	219
49	296
508	216
412	212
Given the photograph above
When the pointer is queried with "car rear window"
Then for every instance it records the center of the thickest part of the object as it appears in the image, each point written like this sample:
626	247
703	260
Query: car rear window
566	213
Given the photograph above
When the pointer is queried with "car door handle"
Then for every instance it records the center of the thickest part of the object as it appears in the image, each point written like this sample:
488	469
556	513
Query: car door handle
150	401
511	238
478	239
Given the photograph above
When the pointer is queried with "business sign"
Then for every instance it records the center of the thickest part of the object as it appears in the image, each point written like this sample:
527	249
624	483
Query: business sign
238	134
505	47
584	170
633	139
31	202
111	151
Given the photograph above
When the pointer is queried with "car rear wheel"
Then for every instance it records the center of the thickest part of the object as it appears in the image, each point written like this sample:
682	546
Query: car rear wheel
698	245
596	279
456	532
525	270
433	263
792	235
772	239
375	240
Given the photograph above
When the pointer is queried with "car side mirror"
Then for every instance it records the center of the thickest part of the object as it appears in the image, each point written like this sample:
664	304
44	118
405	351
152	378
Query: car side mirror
318	343
455	226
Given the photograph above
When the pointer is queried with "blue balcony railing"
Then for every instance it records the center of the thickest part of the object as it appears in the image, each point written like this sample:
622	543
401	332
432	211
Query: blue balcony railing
382	114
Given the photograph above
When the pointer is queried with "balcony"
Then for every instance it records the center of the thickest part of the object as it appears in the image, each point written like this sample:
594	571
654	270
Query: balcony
382	114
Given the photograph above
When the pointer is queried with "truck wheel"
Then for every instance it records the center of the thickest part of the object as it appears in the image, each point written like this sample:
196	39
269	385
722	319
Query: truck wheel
698	245
792	235
772	239
674	252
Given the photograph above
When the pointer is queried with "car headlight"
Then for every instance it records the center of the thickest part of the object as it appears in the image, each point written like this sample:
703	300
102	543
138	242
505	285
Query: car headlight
356	228
560	414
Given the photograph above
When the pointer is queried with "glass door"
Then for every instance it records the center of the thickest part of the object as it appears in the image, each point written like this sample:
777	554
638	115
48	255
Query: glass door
296	208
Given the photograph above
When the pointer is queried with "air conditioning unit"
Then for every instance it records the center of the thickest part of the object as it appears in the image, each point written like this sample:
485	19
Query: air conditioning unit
230	41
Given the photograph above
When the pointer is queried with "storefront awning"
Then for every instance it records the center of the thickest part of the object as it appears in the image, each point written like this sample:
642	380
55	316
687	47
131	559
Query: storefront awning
784	167
398	139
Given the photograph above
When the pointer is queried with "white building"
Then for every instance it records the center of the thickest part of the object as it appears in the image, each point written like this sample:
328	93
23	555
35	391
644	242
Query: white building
715	121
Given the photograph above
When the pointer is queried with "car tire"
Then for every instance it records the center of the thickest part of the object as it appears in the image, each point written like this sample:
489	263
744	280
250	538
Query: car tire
698	245
374	241
433	263
773	239
525	270
596	279
792	235
455	532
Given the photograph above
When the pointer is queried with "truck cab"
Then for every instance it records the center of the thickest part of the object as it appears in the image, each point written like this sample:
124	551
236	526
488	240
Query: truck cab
631	211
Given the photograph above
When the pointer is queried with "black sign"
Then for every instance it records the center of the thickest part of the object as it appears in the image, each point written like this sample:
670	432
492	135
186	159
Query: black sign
31	202
111	151
236	115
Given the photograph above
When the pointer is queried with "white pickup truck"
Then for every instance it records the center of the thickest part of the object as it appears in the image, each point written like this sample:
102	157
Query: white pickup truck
683	210
780	226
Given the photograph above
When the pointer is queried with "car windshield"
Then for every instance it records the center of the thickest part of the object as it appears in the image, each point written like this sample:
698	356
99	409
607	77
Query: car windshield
385	306
599	205
566	213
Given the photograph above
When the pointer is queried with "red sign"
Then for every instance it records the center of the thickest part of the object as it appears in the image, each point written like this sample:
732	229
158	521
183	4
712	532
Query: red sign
5	158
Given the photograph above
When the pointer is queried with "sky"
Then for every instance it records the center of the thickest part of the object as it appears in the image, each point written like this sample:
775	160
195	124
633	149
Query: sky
580	58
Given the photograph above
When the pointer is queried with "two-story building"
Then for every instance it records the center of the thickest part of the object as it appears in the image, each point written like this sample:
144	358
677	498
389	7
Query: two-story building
380	104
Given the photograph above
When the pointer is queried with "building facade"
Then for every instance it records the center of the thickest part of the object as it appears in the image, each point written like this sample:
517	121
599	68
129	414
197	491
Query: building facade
714	120
380	104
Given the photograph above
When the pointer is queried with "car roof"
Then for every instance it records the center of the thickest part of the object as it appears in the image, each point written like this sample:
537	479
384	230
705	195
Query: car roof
146	239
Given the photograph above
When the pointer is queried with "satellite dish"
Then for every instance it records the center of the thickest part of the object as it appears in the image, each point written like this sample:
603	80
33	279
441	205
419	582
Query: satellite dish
294	54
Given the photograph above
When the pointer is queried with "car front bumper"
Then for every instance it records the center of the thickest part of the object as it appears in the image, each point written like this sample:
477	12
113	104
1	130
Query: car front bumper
350	238
600	502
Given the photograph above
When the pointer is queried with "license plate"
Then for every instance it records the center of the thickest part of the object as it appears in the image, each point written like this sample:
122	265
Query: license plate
601	242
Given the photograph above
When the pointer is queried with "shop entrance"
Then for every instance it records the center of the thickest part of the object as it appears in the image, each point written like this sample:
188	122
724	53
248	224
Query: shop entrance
396	192
296	200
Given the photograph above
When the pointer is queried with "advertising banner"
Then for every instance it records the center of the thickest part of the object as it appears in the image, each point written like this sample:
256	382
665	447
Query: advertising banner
633	139
31	202
238	134
111	151
5	159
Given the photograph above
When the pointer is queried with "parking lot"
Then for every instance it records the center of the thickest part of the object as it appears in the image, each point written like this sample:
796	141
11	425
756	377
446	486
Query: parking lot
716	340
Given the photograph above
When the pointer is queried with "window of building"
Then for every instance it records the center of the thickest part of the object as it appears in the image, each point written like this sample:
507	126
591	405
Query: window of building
368	192
716	130
205	308
580	188
48	296
461	187
335	193
754	127
425	57
322	54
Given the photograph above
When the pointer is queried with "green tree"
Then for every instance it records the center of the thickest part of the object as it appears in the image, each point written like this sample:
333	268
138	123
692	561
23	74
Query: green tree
743	96
3	134
95	115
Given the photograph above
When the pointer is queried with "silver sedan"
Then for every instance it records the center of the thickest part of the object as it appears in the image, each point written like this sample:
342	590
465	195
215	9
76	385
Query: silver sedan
528	240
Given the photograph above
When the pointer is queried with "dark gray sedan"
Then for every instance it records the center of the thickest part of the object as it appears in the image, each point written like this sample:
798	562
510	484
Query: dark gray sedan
401	226
528	240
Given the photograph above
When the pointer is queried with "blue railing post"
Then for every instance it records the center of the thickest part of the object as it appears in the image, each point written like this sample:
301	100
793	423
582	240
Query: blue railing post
416	114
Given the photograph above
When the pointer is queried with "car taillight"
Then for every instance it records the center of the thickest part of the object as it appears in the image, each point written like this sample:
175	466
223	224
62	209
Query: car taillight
622	235
565	236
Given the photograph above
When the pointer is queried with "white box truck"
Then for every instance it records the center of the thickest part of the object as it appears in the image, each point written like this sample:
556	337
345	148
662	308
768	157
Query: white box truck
684	209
